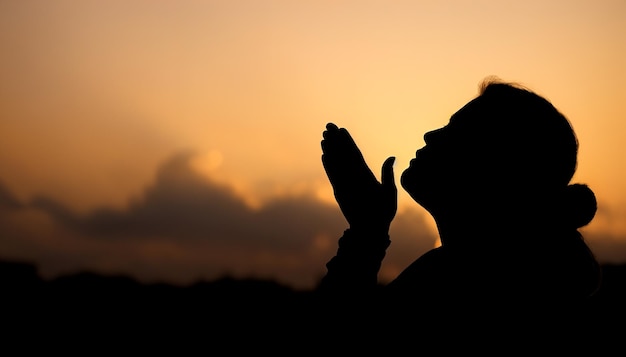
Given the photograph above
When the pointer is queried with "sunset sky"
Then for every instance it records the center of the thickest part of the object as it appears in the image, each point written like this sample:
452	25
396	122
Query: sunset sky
180	140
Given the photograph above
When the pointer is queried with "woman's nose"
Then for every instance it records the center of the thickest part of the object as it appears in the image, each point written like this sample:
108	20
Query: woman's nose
431	136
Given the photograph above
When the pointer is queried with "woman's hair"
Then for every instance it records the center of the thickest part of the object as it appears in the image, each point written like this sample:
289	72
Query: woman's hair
541	150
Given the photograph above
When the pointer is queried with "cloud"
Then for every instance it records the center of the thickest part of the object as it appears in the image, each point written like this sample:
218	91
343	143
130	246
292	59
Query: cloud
607	247
184	226
7	200
183	205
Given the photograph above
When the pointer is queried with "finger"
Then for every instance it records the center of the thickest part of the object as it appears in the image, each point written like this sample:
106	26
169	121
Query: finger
329	146
334	172
348	140
346	144
339	143
387	175
331	129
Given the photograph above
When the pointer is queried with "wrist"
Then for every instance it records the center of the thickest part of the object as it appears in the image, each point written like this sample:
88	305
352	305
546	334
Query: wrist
370	229
364	241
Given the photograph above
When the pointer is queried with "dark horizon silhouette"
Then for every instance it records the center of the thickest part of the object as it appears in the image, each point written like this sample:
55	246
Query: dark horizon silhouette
254	315
22	283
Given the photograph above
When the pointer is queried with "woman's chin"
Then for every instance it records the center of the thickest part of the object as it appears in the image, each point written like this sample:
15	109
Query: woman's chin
405	179
408	182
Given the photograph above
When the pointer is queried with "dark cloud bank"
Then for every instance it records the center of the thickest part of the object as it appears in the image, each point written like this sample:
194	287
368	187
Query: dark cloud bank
198	216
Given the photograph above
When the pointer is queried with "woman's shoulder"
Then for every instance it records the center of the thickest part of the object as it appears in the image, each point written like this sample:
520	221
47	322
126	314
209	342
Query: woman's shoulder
428	269
436	256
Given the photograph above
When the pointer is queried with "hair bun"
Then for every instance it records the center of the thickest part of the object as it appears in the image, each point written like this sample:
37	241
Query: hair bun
579	205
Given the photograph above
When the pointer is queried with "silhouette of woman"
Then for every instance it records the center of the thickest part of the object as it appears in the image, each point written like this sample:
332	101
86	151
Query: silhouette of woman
496	180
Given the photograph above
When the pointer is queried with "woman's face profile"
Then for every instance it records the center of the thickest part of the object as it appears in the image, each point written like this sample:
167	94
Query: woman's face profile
444	164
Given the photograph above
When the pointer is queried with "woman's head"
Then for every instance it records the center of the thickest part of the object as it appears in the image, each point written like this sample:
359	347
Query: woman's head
537	145
508	149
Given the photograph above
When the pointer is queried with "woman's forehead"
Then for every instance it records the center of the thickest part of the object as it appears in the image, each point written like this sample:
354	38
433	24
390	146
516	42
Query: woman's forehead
469	110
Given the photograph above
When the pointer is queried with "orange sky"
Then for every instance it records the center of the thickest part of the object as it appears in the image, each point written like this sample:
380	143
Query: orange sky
109	106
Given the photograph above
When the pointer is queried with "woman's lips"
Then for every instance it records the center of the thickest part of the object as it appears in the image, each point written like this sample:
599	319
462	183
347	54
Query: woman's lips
418	153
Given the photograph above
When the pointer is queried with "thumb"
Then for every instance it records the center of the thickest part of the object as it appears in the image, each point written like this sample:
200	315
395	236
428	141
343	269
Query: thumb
387	176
